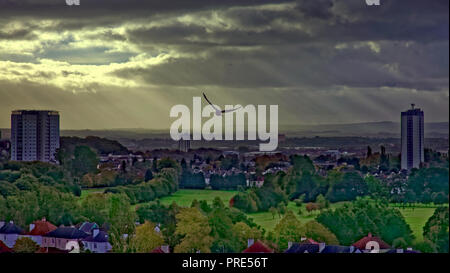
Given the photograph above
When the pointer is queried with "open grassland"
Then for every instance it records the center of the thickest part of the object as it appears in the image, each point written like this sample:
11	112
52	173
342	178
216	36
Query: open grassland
184	197
415	217
86	192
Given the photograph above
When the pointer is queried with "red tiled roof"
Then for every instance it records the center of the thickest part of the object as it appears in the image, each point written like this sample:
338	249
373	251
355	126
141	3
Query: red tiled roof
157	250
361	244
258	247
309	241
51	250
42	227
4	248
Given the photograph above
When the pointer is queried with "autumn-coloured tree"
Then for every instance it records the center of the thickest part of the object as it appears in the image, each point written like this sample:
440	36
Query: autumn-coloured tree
289	229
146	238
25	245
244	232
316	231
194	226
310	207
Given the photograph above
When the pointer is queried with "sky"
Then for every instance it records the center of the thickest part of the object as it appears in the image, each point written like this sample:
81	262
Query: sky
123	64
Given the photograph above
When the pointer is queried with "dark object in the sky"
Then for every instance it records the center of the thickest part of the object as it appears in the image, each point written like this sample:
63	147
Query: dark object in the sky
218	111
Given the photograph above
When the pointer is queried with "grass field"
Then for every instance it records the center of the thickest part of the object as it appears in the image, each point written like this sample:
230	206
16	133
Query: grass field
86	192
416	217
268	222
185	197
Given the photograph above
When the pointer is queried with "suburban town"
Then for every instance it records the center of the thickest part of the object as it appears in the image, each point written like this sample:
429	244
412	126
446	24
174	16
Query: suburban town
108	198
224	135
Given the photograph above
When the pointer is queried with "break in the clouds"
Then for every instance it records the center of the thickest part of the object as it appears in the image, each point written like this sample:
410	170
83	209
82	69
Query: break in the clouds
115	63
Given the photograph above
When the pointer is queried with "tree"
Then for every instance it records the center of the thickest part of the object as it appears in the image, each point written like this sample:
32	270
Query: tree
436	230
94	207
243	232
122	222
155	165
322	202
350	186
273	211
376	188
316	231
25	245
194	226
299	201
310	207
148	175
281	209
399	243
426	181
355	220
85	160
221	229
289	229
168	163
369	152
146	238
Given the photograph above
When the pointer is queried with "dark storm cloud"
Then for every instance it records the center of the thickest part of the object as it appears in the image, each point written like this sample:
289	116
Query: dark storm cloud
21	34
328	54
316	9
418	66
120	9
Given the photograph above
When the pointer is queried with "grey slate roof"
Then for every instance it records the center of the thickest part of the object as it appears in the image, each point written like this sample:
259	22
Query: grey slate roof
303	248
339	249
67	233
88	227
10	228
102	237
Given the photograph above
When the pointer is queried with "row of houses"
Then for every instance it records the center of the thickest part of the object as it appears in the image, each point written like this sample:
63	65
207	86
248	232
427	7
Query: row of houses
50	238
367	244
91	237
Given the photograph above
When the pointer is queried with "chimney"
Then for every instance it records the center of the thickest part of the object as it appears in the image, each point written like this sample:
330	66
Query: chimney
369	235
31	227
95	232
44	219
165	248
321	247
289	245
250	242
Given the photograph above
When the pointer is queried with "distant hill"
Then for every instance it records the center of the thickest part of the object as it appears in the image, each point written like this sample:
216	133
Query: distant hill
369	129
374	129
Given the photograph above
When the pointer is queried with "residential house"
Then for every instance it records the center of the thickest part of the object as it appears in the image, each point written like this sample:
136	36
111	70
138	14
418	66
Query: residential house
257	247
371	243
401	250
38	229
97	242
88	227
305	248
9	233
161	249
4	248
340	249
60	237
